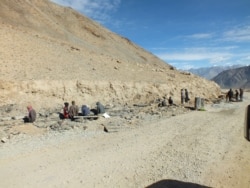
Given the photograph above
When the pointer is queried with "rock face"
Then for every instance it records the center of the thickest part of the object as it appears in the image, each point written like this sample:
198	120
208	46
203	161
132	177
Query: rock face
234	78
51	54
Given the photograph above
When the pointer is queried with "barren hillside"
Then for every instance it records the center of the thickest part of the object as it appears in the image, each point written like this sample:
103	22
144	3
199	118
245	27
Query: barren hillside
50	54
234	78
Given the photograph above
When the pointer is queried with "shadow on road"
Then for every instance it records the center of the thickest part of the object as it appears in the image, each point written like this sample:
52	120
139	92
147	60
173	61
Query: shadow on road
175	184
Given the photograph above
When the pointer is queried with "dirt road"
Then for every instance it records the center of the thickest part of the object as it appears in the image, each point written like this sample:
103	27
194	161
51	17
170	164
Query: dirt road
196	149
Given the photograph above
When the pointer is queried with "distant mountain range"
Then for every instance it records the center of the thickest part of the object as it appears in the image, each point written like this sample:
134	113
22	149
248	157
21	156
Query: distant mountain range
211	72
234	78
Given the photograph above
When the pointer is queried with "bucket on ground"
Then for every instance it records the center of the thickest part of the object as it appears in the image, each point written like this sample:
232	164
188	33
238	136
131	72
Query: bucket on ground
247	123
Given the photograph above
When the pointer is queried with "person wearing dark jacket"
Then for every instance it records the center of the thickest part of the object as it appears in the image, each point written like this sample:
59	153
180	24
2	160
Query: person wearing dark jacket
186	96
236	95
170	101
241	94
230	95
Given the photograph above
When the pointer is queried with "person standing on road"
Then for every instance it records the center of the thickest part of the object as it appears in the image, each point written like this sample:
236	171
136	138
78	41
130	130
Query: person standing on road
241	94
230	95
182	96
186	96
236	95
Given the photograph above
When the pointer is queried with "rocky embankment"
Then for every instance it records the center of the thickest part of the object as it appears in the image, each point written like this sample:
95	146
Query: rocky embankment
121	117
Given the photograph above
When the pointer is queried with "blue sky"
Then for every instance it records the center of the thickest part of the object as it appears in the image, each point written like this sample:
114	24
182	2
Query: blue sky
183	33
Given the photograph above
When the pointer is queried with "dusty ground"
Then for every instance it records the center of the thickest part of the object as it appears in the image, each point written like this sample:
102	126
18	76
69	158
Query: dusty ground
195	149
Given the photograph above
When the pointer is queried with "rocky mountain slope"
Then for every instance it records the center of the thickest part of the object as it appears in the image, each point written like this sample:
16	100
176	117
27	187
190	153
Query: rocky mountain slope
234	78
50	54
211	72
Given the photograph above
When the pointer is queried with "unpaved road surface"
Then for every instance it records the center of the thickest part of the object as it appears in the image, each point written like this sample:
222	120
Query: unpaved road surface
196	149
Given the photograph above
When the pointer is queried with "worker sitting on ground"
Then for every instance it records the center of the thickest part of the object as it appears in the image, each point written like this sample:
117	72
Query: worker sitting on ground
99	108
31	115
85	110
163	102
73	110
170	101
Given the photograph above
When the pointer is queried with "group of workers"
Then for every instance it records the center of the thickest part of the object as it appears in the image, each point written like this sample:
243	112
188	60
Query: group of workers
73	110
69	112
164	102
238	95
184	96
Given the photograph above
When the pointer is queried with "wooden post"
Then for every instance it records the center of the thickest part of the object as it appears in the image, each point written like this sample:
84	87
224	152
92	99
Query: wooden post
247	123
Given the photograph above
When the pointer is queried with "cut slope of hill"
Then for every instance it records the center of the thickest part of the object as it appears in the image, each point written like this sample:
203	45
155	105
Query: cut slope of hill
55	54
234	78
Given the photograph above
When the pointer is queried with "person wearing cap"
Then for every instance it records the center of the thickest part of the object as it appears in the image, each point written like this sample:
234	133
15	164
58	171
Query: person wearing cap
31	115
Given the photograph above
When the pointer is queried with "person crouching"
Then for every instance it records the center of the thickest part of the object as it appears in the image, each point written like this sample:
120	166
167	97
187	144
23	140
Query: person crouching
85	110
31	115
